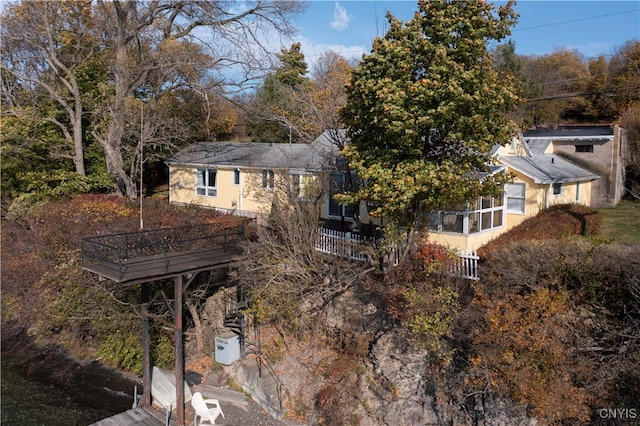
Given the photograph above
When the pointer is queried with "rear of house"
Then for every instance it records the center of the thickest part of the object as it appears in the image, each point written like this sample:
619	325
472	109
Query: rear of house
245	178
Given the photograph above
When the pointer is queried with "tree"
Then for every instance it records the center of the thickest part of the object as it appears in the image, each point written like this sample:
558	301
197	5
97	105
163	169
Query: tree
276	110
424	109
331	74
624	72
143	52
556	84
45	46
292	102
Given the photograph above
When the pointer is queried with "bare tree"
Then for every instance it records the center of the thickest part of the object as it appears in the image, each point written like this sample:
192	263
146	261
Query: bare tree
139	34
281	272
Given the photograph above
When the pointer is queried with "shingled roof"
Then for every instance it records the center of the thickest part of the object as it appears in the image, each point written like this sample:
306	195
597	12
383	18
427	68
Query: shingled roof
315	156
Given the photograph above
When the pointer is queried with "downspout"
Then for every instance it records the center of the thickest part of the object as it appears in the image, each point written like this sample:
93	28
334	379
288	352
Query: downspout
240	192
169	184
548	196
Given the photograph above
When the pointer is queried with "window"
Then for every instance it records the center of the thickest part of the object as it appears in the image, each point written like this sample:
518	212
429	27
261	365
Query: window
515	197
338	186
584	148
577	191
483	214
557	189
301	186
267	179
206	182
489	215
236	177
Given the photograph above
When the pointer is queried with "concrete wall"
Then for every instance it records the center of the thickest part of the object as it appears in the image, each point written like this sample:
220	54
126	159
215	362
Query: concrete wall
606	160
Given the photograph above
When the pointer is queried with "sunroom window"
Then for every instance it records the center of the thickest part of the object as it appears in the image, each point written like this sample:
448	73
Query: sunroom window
206	182
484	214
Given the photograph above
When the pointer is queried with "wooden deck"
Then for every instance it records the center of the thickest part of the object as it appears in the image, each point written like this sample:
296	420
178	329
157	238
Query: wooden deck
136	416
142	269
138	257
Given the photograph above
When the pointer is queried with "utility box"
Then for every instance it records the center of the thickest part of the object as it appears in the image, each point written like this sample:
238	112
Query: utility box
227	348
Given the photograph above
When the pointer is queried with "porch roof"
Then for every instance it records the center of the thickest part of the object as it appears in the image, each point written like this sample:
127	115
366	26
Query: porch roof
548	168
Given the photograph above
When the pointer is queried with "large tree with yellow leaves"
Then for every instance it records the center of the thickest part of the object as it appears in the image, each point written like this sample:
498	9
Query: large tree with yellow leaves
425	107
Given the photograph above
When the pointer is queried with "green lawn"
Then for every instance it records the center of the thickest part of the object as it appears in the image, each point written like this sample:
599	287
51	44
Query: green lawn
622	223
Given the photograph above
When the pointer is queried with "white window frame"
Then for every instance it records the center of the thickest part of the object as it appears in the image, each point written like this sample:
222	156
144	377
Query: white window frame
268	179
298	186
460	221
520	199
204	186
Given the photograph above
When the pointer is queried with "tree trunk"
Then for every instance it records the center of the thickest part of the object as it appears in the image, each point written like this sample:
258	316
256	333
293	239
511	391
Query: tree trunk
197	325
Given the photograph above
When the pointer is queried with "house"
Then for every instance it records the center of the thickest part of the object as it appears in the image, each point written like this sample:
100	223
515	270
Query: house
242	177
541	178
235	176
599	148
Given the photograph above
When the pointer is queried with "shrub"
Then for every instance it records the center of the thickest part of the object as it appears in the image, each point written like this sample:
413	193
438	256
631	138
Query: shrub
419	296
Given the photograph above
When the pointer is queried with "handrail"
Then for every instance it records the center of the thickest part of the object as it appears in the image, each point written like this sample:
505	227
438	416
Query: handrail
117	251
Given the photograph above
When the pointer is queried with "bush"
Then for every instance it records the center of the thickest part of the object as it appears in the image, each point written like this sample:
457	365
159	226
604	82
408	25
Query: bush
558	221
558	326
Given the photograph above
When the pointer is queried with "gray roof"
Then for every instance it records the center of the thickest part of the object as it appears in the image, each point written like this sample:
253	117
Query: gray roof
566	131
537	146
548	168
312	157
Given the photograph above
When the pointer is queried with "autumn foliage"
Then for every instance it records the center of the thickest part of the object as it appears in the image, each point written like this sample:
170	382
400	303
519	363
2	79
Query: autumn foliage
45	288
553	323
419	294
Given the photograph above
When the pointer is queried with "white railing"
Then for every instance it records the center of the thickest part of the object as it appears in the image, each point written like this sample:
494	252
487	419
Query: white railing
465	265
342	244
349	246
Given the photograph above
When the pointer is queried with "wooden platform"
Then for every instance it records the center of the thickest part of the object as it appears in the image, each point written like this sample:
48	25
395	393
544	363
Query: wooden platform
136	416
137	257
142	269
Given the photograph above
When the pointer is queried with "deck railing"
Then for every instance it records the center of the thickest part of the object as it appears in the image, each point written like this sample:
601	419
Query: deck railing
115	249
350	246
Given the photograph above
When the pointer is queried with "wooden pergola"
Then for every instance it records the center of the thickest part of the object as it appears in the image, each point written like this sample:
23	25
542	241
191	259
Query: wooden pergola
142	257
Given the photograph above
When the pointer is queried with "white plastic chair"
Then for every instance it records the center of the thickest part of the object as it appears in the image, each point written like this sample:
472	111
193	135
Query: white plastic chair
203	411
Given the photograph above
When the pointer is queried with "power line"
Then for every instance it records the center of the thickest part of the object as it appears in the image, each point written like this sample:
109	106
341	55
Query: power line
575	20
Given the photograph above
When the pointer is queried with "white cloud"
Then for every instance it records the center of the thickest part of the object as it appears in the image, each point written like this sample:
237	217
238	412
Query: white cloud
340	19
312	50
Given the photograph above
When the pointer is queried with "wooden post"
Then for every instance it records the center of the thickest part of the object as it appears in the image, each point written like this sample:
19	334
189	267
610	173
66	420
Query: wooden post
146	358
179	352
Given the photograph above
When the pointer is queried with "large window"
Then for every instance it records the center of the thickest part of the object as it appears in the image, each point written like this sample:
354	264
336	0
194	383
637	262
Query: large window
206	182
267	179
515	197
484	214
337	186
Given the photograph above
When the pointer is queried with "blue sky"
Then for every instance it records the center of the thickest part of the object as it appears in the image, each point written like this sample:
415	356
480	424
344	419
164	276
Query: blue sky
592	27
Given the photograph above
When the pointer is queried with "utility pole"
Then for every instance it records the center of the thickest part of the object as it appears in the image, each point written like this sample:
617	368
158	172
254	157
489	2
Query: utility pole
141	158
